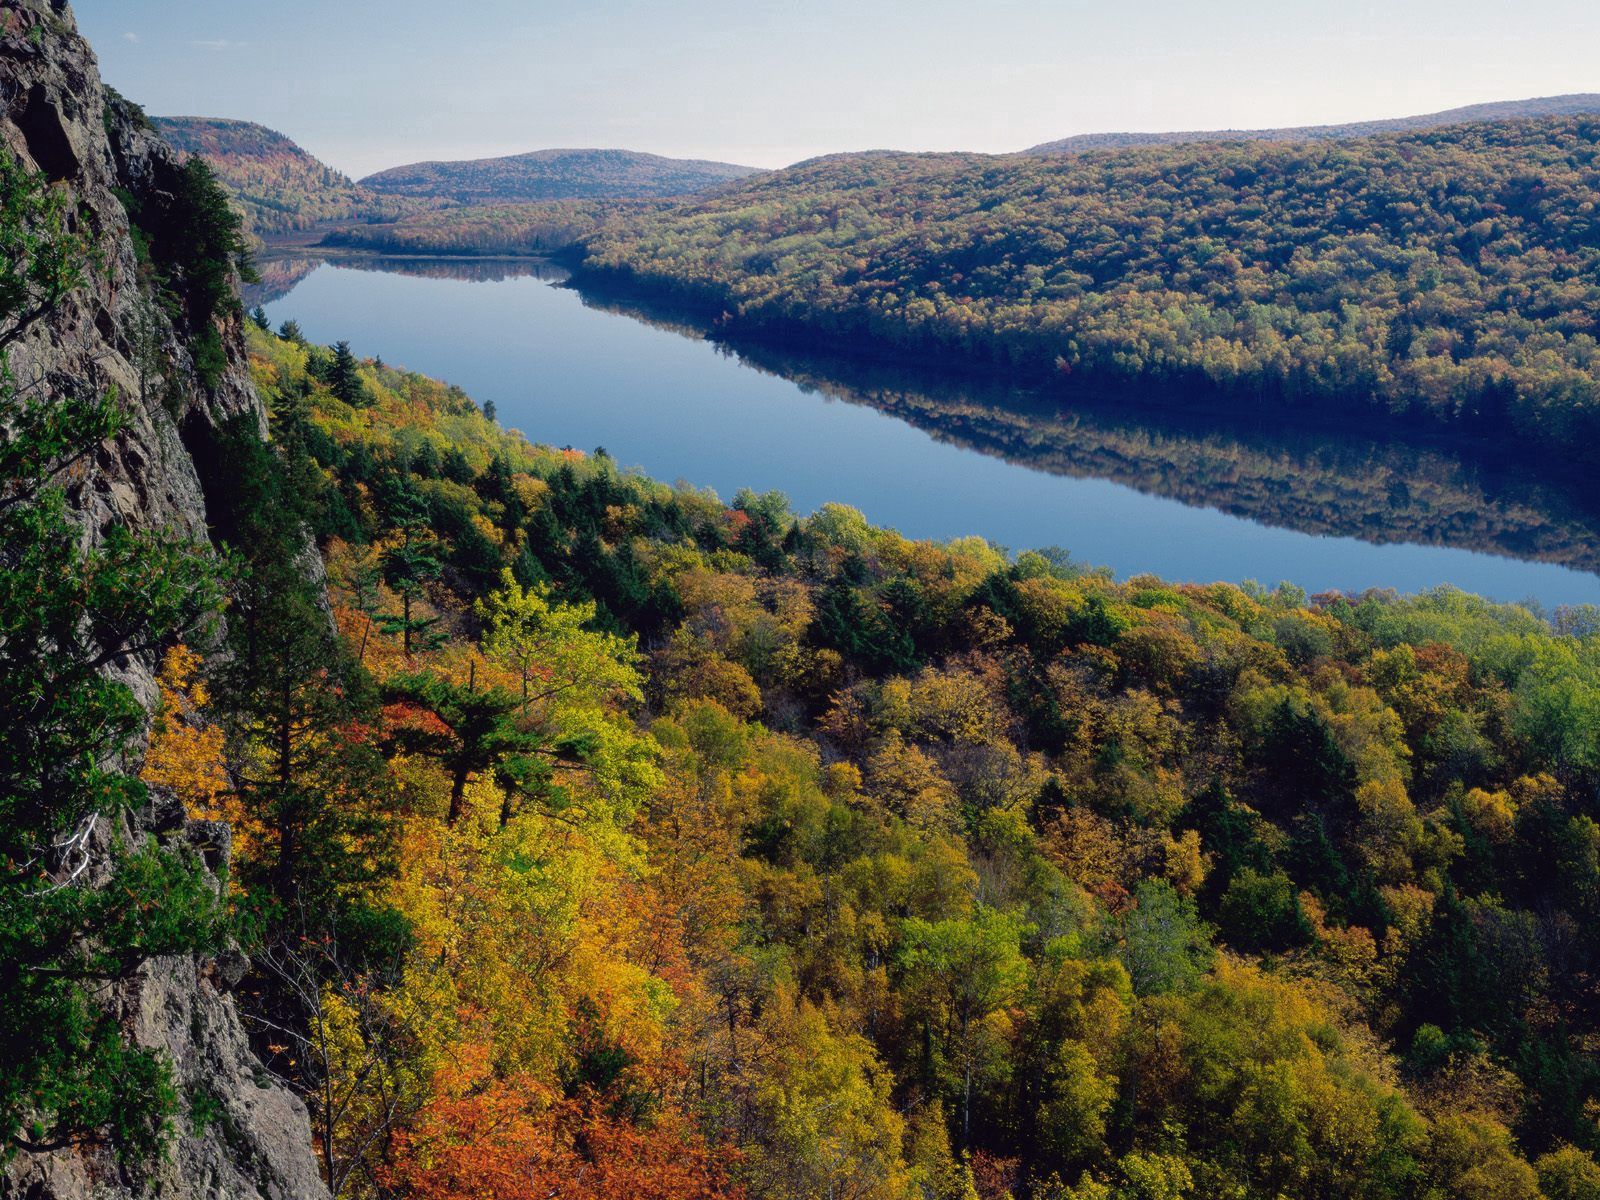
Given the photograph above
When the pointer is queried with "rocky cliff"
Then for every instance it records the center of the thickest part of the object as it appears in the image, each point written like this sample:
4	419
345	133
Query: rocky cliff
254	1140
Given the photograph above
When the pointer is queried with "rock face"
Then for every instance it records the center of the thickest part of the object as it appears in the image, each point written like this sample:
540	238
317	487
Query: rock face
250	1139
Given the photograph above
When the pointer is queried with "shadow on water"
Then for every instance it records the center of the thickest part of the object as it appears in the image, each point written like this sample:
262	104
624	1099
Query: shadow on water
1263	468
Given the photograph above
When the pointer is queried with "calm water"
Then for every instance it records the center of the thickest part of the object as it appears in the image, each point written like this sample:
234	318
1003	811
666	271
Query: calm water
942	459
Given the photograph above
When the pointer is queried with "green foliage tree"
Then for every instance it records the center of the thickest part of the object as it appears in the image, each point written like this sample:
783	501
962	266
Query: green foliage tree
408	566
960	974
474	729
344	379
289	692
1162	941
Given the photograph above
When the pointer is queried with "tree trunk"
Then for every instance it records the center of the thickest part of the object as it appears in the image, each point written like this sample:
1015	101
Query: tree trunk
458	792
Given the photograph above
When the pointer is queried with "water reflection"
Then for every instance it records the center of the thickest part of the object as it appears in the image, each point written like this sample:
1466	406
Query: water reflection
281	274
1188	497
1261	468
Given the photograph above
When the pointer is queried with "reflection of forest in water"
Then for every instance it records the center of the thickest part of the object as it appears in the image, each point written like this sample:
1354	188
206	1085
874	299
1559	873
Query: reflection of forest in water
280	275
1256	466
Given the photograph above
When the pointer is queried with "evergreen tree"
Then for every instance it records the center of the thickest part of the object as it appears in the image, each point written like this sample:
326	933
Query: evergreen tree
343	380
474	731
408	566
315	792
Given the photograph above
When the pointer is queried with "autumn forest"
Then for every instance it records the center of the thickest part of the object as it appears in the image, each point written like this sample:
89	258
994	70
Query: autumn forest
394	806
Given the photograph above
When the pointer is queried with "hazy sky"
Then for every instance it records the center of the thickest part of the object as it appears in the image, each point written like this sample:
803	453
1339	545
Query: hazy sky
376	83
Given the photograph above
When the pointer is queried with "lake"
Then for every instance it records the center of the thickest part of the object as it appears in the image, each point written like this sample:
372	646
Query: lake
938	456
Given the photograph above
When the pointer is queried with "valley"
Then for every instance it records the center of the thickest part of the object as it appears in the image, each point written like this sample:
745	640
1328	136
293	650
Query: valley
588	674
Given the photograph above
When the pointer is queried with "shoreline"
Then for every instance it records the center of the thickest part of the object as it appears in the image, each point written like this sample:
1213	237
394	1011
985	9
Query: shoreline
1491	451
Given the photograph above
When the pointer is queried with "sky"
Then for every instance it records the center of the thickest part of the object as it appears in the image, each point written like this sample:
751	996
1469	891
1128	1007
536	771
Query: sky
368	84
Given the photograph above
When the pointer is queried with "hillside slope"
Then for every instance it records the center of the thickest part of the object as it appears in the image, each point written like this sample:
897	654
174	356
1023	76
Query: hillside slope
556	175
1182	839
1501	110
278	186
1445	276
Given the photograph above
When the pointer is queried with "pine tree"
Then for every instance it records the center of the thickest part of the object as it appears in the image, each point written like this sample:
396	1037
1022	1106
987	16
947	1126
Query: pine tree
315	793
474	730
344	381
408	566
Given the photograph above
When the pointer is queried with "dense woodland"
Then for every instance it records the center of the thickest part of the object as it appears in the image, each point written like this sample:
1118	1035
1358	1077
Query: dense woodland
708	851
1499	110
614	840
1446	276
278	187
556	175
542	227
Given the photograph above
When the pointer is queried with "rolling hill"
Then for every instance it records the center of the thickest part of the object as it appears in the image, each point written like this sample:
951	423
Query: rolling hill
556	175
1502	110
278	186
1444	276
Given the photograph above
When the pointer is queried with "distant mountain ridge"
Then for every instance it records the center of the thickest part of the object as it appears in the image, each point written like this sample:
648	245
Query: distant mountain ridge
557	175
279	186
1571	104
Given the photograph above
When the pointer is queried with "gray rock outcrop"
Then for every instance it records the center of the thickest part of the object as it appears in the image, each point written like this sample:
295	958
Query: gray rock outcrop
249	1138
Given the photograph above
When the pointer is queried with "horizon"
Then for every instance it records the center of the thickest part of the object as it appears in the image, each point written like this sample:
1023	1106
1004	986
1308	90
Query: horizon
942	78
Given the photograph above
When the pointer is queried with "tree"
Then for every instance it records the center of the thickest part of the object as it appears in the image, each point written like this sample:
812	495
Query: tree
408	565
1567	1173
467	729
344	379
960	974
553	650
1164	944
79	904
309	784
827	1126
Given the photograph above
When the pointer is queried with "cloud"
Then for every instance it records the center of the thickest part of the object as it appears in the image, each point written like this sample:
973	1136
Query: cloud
131	37
215	44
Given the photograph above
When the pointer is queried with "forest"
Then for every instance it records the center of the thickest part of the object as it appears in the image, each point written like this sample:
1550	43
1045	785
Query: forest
537	227
555	175
594	836
697	849
1500	110
1444	277
278	187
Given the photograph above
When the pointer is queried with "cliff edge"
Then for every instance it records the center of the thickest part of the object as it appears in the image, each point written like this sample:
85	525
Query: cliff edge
181	379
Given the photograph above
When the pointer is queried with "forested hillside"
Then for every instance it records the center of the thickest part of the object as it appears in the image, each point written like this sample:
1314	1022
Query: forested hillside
535	227
556	175
688	849
1500	110
278	186
1446	277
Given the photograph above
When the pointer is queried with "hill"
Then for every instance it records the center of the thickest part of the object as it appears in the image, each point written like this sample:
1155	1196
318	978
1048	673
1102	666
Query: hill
1501	110
557	175
277	185
1444	276
828	785
523	228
